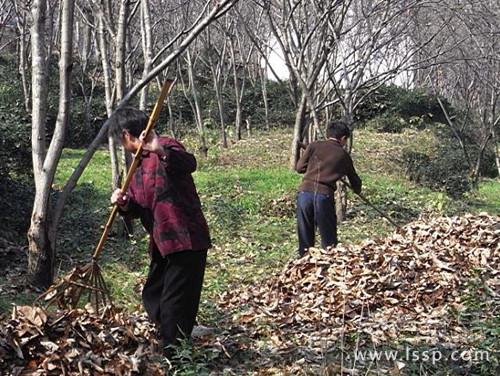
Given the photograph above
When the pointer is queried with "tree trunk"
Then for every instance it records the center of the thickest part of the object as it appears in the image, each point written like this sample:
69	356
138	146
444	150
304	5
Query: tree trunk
217	68
196	105
263	80
41	251
237	89
121	43
103	47
341	192
106	69
42	232
297	132
248	123
23	61
220	106
40	256
479	160
121	82
341	201
146	47
171	119
495	148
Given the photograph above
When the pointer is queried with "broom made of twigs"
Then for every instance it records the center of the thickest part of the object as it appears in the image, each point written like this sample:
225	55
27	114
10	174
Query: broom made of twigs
88	280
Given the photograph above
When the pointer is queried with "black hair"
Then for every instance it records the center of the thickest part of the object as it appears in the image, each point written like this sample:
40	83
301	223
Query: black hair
338	129
127	118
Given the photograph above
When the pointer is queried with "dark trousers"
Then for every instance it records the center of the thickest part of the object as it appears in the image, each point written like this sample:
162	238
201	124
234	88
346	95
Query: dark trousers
316	210
171	295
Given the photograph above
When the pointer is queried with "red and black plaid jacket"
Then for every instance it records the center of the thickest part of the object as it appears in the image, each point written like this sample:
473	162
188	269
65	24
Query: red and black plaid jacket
163	195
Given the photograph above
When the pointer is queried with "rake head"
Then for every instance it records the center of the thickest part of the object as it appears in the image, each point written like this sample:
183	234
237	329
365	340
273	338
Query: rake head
86	281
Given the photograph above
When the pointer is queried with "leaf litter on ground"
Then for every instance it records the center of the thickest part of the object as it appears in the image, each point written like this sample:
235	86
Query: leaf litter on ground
34	341
386	289
401	286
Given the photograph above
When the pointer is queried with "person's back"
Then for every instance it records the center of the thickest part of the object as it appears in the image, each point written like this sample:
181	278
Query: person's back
323	164
166	188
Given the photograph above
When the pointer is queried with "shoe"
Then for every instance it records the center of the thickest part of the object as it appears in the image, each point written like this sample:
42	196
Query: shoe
202	331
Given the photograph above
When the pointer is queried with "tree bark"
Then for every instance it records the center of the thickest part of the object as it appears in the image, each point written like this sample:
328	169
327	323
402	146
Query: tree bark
121	43
263	80
40	255
42	232
106	69
196	104
147	48
217	70
23	56
297	132
340	201
120	89
237	91
495	149
479	160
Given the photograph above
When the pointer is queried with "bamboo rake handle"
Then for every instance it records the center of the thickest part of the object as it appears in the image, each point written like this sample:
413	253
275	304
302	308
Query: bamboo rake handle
167	87
366	201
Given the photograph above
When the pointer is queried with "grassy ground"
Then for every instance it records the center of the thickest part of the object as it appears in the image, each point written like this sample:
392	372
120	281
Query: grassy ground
248	196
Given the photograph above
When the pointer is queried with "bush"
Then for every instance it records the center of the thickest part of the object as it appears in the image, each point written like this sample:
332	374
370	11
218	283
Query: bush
16	191
15	143
16	200
387	124
415	107
445	170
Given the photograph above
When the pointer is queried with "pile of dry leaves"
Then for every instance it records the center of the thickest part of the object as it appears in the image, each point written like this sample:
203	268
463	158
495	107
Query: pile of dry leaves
402	286
77	342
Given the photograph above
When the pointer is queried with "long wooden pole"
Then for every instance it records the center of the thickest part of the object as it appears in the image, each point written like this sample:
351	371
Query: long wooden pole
167	87
367	202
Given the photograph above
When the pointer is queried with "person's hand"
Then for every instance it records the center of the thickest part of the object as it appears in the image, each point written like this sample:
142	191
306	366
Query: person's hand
119	198
152	143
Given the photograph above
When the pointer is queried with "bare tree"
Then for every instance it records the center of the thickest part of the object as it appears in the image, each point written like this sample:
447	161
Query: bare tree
191	94
85	69
21	20
147	47
240	52
7	16
42	232
467	74
302	32
339	52
214	58
46	216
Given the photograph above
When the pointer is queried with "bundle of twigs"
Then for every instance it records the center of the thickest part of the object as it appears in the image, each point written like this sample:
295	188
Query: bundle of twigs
88	280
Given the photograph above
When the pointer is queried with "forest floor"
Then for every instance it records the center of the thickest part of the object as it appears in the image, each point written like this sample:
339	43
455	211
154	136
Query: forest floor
248	194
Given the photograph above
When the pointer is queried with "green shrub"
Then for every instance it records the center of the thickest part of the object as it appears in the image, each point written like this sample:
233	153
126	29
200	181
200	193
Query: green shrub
415	107
16	200
387	124
444	170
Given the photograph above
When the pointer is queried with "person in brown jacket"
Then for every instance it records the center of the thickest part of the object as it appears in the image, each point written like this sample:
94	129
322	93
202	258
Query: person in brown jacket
323	163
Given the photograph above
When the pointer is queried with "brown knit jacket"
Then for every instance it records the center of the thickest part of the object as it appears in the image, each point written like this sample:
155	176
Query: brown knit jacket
325	162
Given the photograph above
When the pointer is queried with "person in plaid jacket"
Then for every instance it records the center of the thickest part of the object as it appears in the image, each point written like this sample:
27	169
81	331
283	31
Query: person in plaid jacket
163	195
